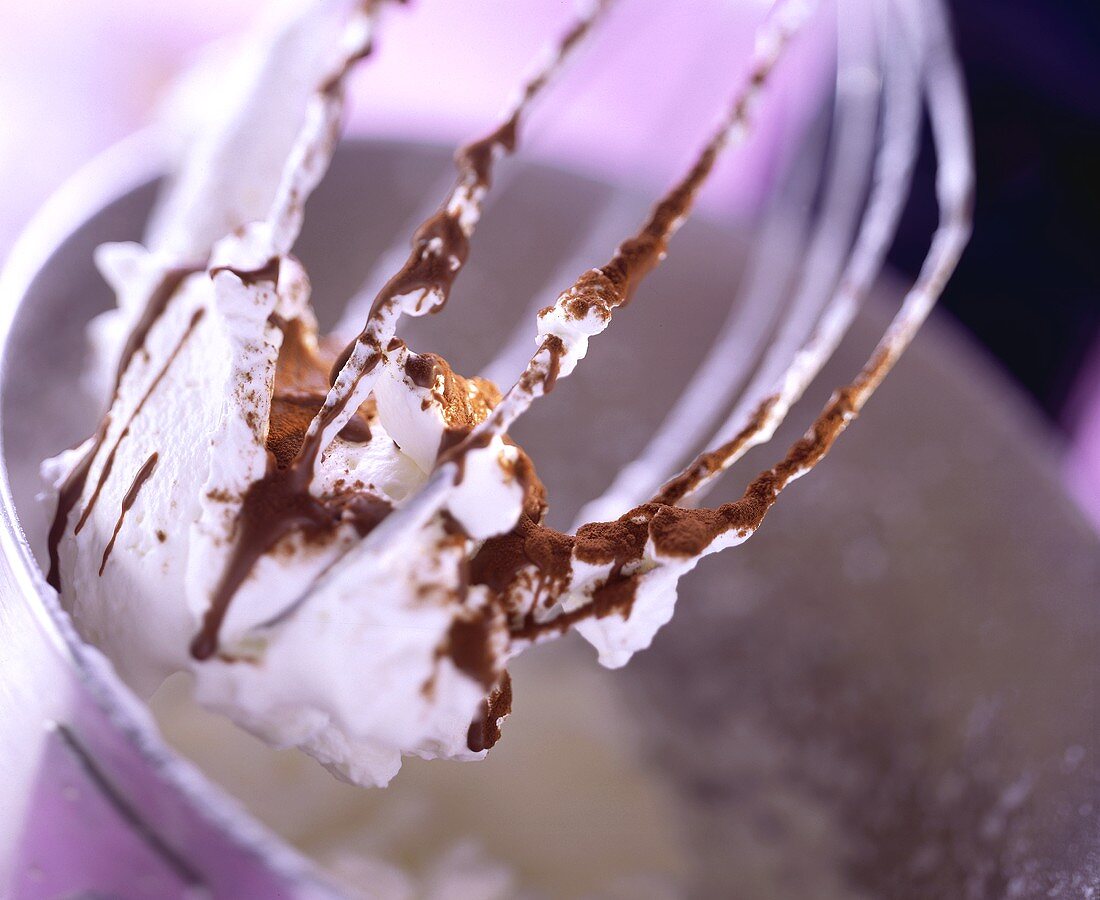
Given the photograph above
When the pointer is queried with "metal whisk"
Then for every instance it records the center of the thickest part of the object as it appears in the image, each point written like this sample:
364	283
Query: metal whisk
894	60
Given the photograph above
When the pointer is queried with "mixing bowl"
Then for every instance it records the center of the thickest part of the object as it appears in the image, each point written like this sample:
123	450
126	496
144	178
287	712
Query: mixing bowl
892	690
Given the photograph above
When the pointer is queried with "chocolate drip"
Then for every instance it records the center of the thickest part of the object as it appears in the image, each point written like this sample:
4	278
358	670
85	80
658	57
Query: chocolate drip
300	389
338	364
363	512
280	503
136	485
311	444
454	446
475	160
421	370
273	507
72	489
109	463
484	731
68	496
469	645
440	246
357	431
155	306
332	86
268	272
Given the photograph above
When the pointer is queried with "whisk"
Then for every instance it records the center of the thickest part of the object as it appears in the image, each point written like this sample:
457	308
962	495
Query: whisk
501	578
894	58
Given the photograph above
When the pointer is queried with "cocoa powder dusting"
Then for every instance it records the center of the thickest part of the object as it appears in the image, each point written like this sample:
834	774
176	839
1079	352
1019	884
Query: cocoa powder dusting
287	427
710	462
615	596
534	491
617	542
687	532
300	390
556	348
464	402
502	557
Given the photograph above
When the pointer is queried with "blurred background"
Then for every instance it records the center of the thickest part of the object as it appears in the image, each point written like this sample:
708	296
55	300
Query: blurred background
75	78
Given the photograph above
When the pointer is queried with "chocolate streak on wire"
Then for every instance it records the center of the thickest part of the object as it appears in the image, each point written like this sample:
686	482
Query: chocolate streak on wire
682	532
440	246
72	488
675	531
280	503
136	485
613	285
710	462
603	290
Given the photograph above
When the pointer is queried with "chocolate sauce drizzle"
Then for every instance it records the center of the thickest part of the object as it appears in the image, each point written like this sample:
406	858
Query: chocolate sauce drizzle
267	273
143	475
72	488
274	507
109	463
484	730
157	303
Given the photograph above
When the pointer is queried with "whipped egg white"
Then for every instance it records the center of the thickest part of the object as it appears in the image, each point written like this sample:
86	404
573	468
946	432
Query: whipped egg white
342	546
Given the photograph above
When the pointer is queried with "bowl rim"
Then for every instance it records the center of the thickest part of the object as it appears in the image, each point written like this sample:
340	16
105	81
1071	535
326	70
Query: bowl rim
123	168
